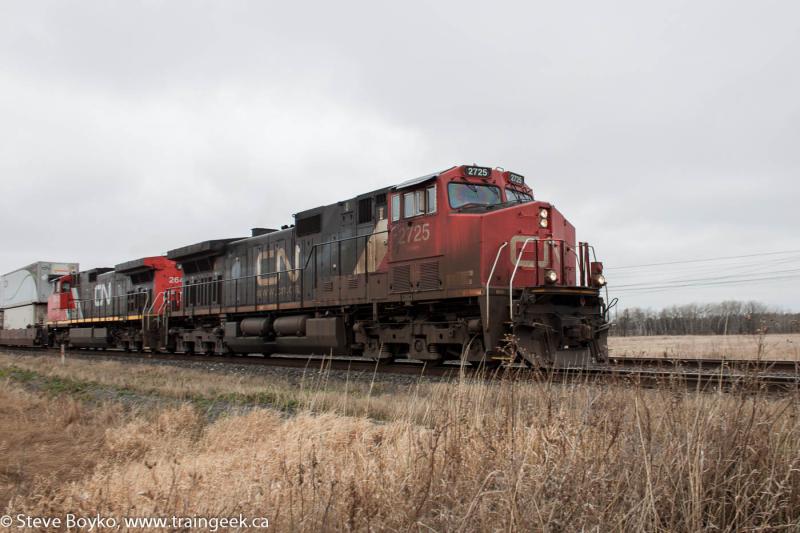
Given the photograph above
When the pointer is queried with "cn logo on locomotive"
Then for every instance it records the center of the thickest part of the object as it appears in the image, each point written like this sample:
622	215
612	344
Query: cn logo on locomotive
102	294
515	248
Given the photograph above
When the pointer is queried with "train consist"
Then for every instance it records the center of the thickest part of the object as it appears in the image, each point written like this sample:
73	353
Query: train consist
460	264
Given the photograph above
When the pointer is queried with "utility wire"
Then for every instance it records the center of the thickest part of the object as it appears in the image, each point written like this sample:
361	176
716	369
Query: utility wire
708	268
708	279
704	260
641	290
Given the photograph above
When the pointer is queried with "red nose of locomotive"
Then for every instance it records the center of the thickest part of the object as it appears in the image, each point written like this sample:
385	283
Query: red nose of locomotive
539	296
531	244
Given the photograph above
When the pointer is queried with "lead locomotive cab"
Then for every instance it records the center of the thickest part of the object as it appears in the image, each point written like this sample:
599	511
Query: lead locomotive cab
476	238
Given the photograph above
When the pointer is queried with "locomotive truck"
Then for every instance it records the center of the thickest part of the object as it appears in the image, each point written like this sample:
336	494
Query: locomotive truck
460	264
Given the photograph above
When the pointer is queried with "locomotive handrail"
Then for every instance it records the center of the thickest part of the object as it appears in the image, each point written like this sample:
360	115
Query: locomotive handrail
163	302
314	246
288	270
145	322
147	309
112	309
514	274
312	253
489	280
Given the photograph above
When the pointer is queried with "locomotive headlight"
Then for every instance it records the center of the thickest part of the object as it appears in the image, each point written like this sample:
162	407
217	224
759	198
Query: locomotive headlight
544	213
543	222
550	277
599	280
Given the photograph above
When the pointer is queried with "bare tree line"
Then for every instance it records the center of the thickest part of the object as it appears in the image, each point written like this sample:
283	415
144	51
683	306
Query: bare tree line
724	318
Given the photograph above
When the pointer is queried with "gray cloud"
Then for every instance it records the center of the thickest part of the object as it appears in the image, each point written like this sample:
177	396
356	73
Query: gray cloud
663	131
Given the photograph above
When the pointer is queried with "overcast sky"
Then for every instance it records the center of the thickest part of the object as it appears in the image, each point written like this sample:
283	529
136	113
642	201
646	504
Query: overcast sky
664	131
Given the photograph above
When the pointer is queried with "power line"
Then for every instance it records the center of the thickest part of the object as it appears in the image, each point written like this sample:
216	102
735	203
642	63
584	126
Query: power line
641	290
743	266
737	275
704	260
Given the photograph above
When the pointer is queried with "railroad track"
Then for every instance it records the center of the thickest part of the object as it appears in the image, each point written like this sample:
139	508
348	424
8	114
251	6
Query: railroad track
706	374
748	365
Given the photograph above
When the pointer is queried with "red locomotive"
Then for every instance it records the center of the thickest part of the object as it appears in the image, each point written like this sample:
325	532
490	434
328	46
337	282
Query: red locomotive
460	264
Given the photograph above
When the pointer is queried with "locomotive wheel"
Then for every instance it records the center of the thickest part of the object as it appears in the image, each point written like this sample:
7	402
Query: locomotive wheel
379	352
472	352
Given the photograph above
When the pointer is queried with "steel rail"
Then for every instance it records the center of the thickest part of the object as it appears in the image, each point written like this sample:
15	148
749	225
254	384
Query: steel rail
707	363
657	375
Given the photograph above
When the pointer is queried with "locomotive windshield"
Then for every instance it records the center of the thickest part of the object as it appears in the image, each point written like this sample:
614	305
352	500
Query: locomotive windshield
464	194
518	196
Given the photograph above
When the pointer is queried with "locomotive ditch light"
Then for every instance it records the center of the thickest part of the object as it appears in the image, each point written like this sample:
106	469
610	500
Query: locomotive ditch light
550	277
599	280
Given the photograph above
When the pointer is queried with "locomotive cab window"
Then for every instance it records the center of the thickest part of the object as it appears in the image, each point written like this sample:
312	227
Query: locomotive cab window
395	207
518	196
463	194
415	203
430	199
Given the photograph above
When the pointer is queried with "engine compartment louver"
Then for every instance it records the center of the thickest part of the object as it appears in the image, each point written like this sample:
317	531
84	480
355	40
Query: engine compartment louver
429	276
400	279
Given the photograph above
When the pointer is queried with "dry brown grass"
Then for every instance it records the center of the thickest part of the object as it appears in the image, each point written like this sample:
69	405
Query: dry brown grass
471	456
42	439
314	392
773	347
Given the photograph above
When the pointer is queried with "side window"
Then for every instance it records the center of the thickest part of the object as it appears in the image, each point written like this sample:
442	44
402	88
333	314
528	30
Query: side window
408	205
414	203
395	207
430	194
419	202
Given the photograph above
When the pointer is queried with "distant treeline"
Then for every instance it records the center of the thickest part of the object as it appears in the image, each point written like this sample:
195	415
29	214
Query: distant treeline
725	318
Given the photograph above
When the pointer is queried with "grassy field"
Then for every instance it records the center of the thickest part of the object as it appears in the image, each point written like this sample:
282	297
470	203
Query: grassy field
773	347
124	439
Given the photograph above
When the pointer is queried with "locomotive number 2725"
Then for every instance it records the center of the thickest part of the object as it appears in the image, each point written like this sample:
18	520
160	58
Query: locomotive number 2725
479	172
416	233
